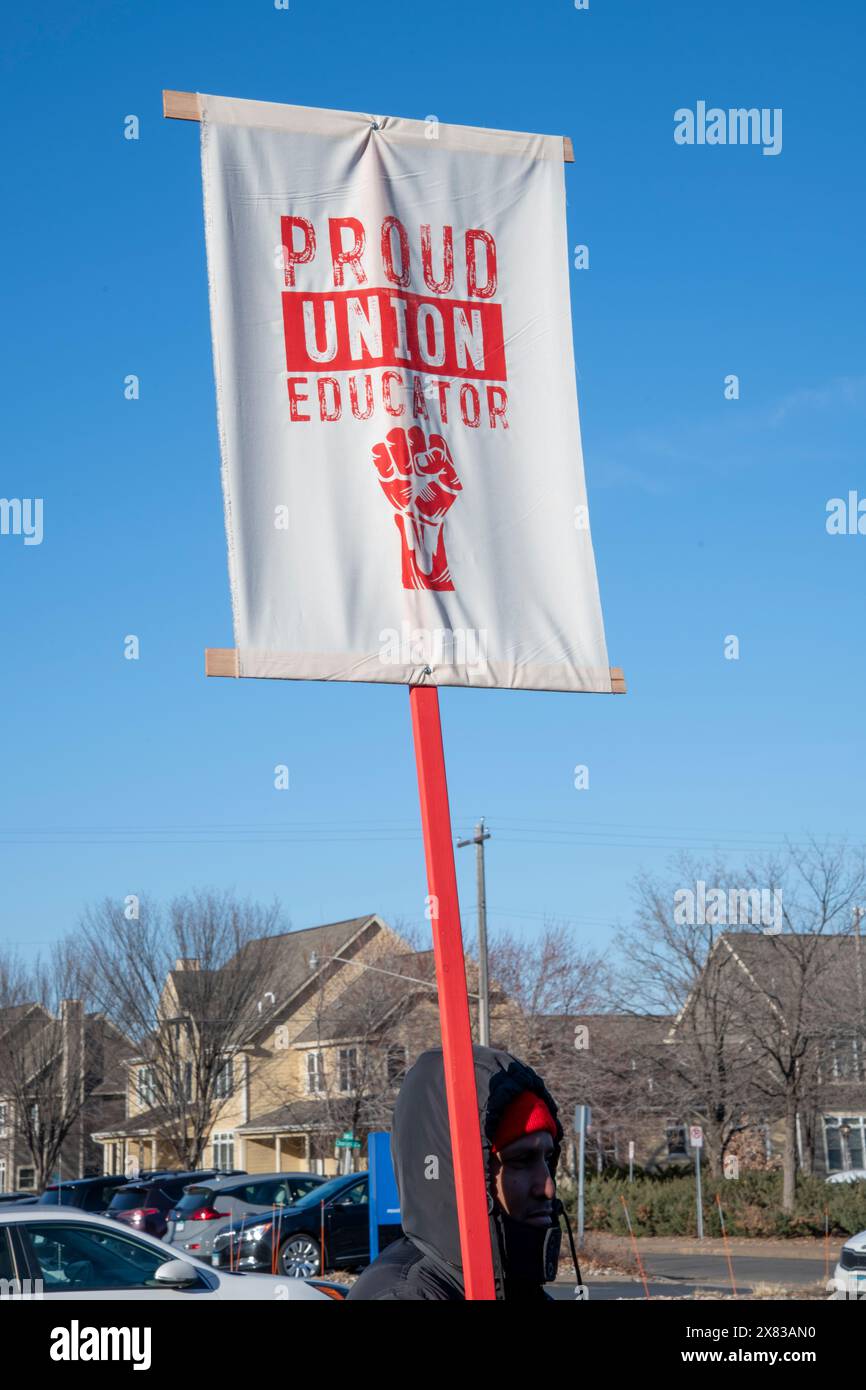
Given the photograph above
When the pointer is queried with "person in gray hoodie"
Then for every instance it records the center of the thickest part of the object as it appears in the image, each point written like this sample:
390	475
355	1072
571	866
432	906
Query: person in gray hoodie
521	1138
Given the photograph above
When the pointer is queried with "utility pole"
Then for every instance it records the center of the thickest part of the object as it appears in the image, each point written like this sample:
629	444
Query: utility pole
483	985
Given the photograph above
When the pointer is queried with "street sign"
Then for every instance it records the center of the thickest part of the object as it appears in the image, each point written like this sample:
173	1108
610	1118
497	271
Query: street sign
384	1199
696	1136
348	1144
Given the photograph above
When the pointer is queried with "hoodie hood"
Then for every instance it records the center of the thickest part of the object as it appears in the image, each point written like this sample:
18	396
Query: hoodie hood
422	1158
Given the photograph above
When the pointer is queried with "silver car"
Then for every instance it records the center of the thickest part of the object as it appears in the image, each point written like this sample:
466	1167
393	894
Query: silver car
60	1253
212	1204
849	1278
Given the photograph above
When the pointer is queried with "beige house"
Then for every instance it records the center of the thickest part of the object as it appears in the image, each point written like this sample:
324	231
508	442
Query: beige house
321	1054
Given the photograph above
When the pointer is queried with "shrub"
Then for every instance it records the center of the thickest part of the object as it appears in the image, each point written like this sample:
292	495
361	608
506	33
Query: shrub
752	1205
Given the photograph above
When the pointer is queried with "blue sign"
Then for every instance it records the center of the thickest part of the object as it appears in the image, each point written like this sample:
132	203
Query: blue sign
384	1198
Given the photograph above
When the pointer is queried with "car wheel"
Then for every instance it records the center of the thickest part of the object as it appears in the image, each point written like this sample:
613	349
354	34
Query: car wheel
300	1257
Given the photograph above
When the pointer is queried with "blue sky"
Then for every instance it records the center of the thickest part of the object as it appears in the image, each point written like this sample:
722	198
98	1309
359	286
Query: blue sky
708	515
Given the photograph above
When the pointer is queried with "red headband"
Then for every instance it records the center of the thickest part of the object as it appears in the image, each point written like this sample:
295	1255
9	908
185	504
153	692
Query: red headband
526	1114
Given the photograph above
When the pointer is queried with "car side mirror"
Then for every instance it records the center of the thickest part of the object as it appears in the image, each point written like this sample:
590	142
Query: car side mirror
176	1273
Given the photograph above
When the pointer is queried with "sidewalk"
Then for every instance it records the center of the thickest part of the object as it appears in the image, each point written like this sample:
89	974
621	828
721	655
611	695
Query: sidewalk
620	1249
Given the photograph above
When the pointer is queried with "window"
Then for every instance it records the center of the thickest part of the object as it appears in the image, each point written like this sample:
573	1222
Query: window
315	1072
844	1142
271	1193
99	1196
356	1196
4	1116
845	1059
841	1059
274	1193
299	1187
8	1271
396	1064
676	1139
224	1084
146	1086
224	1150
348	1069
80	1257
26	1179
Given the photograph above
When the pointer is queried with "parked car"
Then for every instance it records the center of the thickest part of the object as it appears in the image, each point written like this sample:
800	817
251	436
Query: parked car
206	1208
18	1198
88	1194
76	1256
338	1291
291	1244
146	1202
850	1175
849	1276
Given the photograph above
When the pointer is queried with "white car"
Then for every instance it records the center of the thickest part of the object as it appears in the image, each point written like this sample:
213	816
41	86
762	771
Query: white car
849	1276
850	1175
63	1253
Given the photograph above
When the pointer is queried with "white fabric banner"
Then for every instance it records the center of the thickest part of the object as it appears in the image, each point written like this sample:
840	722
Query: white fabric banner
401	456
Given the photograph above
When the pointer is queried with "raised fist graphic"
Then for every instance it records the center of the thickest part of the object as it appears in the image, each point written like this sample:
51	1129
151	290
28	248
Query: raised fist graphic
420	481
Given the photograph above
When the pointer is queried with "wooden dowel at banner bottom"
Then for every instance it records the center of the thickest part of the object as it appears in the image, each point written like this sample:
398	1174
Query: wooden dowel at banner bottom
225	661
463	1120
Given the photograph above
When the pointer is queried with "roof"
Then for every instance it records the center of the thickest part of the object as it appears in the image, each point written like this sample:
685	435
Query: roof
287	957
37	1038
617	1029
298	1116
371	998
774	964
146	1123
190	986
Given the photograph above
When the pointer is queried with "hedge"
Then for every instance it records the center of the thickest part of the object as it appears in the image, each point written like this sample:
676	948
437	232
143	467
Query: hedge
664	1205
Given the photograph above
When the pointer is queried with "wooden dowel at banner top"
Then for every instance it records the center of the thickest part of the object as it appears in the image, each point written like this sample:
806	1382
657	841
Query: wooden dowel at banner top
184	106
463	1119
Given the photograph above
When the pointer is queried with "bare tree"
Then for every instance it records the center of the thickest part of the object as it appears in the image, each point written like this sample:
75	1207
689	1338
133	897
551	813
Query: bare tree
542	989
755	999
798	984
673	967
47	1069
188	983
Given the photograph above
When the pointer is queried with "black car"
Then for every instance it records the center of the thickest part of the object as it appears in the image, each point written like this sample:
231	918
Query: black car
145	1203
88	1194
19	1199
291	1243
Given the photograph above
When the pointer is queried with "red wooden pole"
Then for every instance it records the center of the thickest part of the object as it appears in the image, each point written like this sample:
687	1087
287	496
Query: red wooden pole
460	1089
